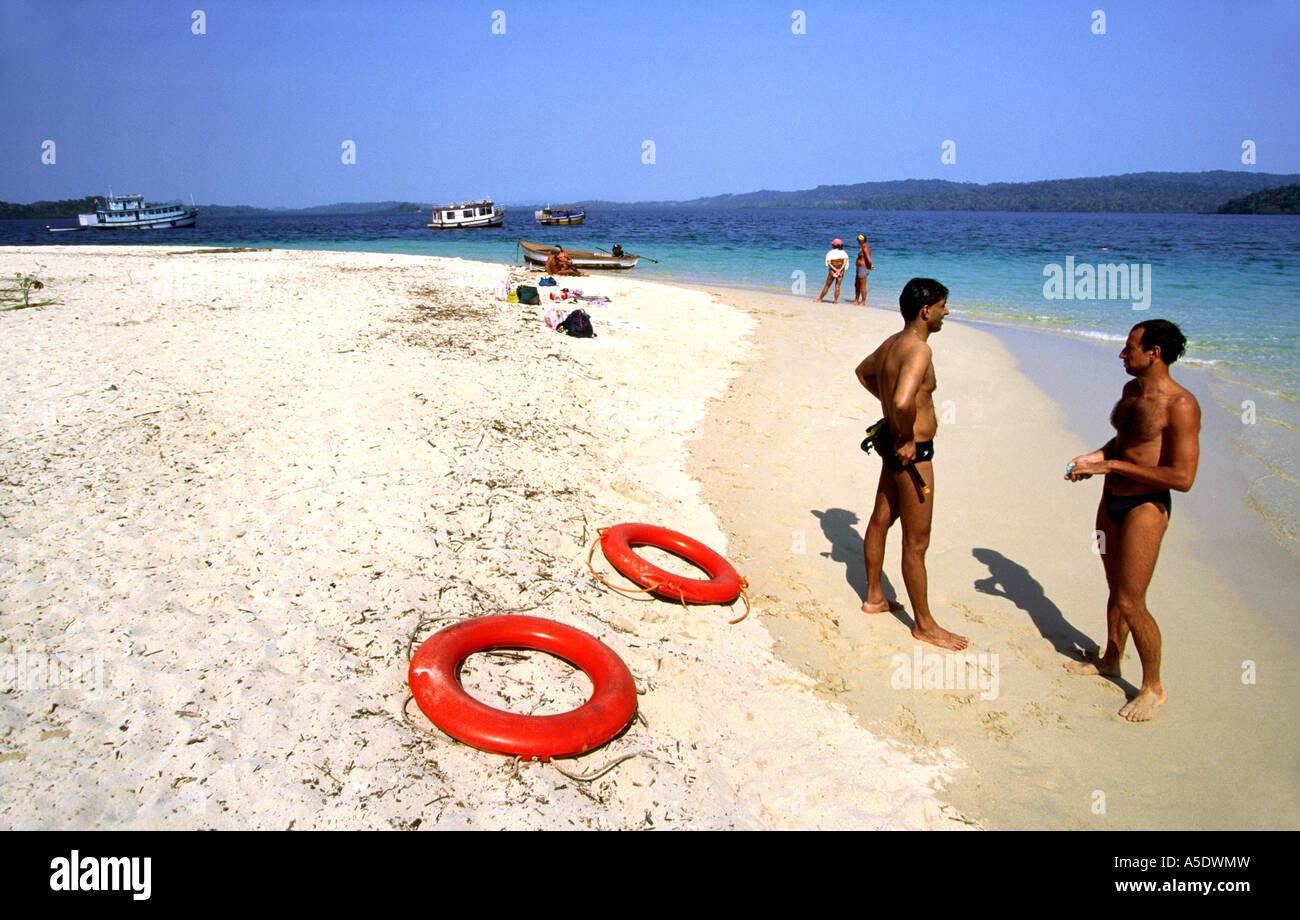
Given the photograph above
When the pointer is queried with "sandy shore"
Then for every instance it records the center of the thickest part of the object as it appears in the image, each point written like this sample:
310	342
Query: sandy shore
238	487
1012	566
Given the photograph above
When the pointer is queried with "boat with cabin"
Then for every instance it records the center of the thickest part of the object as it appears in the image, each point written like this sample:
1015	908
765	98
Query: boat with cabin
468	215
132	212
536	254
560	217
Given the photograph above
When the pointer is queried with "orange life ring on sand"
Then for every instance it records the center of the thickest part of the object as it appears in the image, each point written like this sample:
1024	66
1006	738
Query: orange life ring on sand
722	586
437	690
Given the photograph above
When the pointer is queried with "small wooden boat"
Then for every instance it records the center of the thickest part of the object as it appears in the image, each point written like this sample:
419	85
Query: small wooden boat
560	217
467	215
536	254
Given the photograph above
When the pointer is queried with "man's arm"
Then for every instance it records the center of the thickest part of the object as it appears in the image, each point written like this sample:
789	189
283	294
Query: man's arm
1076	474
910	376
1183	452
866	373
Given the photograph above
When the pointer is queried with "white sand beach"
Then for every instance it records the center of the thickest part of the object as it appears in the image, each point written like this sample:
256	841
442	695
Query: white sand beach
1011	565
245	484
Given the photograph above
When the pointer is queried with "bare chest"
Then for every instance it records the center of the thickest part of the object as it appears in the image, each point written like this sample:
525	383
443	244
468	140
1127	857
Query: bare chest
1139	419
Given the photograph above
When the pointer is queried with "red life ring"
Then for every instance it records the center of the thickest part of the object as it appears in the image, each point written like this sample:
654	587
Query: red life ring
722	586
434	684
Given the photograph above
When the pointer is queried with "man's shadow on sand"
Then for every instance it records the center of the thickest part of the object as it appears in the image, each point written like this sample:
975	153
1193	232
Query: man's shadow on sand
1013	581
846	548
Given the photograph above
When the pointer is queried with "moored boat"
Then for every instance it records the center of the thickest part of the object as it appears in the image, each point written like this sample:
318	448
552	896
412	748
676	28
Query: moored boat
468	215
131	212
560	217
536	254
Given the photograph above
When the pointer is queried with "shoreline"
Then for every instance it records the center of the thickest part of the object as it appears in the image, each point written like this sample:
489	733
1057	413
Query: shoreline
1030	591
251	482
1033	729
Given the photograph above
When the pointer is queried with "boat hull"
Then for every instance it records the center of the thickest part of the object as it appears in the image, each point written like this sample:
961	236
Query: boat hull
536	255
561	221
471	223
160	222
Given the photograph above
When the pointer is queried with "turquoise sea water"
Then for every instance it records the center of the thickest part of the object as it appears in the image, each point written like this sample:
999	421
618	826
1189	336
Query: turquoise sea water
1229	281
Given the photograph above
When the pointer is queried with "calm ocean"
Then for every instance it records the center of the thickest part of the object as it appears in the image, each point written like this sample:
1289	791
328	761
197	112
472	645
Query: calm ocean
1229	281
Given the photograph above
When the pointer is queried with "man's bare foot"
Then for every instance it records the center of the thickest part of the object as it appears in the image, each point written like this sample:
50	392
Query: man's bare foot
1143	706
942	638
1096	667
881	607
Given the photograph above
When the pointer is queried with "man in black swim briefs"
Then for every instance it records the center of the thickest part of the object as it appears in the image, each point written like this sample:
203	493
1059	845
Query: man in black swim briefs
883	441
1156	447
900	374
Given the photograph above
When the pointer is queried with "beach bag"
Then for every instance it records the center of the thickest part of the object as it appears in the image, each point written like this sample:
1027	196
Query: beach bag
554	316
528	294
578	325
501	292
546	282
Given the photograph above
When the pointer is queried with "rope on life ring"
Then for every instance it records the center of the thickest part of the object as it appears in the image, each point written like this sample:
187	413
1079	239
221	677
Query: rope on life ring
723	585
437	690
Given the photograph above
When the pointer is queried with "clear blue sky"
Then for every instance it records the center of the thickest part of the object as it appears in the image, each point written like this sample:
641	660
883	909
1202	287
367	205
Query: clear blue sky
255	111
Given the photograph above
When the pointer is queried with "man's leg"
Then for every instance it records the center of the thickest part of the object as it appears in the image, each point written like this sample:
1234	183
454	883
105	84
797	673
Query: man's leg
1116	627
883	515
1139	546
917	512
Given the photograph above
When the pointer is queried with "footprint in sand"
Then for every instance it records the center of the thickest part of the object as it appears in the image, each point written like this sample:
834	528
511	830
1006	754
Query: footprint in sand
995	724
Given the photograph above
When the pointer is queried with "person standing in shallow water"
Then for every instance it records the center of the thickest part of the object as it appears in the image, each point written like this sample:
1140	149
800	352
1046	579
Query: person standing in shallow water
864	265
837	260
1156	449
900	374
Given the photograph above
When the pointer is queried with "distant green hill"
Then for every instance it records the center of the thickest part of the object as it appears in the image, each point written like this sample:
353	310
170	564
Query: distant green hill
342	207
1131	192
1167	192
70	207
45	210
1285	200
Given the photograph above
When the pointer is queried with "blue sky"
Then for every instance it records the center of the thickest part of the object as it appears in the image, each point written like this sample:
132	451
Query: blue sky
256	109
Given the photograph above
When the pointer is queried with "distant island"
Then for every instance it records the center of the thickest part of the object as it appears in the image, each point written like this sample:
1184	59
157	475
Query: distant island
1285	200
71	207
1216	192
1147	192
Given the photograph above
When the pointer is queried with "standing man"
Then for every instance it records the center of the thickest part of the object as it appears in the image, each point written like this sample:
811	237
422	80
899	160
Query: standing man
1155	449
837	260
864	265
901	375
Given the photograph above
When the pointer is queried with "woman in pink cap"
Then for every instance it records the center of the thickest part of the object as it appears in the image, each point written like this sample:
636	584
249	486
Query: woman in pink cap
837	260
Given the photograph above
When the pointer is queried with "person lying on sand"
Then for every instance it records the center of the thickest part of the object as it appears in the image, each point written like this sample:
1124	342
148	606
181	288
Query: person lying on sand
900	374
1156	448
560	262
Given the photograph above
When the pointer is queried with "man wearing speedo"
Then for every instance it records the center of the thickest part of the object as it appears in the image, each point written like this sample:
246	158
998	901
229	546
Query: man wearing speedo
900	373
